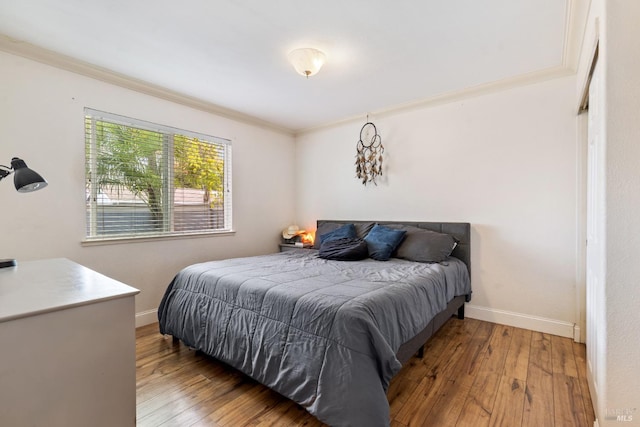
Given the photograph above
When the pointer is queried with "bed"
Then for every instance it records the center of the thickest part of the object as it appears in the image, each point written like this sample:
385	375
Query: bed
327	334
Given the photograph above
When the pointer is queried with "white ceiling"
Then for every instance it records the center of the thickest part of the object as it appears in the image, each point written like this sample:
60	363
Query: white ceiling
233	53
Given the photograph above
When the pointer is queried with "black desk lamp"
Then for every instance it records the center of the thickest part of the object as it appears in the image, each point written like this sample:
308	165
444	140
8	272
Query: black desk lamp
26	181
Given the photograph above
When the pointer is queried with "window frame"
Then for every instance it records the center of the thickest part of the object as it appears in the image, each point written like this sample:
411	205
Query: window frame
168	132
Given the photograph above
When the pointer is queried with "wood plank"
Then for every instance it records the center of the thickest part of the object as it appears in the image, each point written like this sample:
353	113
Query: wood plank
468	367
163	406
286	414
507	410
420	375
414	411
452	394
460	347
562	356
243	409
498	348
478	406
567	401
148	343
432	351
420	402
168	374
517	362
450	400
199	403
580	354
400	390
538	404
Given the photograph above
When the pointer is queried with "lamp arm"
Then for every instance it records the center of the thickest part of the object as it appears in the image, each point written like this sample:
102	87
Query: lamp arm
5	171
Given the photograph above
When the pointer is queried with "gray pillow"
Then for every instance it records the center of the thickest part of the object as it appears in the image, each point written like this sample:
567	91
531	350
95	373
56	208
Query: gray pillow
325	228
362	229
422	245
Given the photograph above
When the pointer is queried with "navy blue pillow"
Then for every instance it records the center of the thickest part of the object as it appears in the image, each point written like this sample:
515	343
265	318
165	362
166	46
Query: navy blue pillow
346	249
382	241
346	231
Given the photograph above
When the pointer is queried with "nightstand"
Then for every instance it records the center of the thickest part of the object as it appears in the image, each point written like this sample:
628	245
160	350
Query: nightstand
290	247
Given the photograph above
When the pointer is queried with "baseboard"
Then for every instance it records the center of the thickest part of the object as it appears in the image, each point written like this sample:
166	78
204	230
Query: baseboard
577	334
146	317
519	320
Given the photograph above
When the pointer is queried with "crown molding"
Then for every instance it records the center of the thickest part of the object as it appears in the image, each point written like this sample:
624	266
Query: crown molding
574	31
48	57
446	98
575	28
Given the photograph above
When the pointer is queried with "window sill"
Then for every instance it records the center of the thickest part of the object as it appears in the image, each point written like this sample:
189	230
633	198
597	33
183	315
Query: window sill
97	241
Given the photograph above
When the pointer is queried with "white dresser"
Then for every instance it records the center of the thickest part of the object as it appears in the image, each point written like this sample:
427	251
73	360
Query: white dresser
67	347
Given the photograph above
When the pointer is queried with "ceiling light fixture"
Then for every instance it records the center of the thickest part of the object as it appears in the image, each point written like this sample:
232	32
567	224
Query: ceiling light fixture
307	61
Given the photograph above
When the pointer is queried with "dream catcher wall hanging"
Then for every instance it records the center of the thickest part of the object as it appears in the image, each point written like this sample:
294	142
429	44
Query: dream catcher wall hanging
369	151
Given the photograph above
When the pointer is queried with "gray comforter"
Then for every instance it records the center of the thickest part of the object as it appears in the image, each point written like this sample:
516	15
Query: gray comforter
323	333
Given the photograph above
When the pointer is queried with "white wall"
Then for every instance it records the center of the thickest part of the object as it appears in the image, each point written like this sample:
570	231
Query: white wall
621	59
42	121
505	162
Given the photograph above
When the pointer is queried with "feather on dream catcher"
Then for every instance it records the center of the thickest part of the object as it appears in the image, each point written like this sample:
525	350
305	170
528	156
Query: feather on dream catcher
369	151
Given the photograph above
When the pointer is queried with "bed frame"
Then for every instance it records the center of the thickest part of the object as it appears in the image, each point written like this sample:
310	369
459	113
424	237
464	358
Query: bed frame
461	231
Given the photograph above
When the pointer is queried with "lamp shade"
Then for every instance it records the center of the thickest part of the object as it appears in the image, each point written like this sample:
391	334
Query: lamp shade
307	61
25	179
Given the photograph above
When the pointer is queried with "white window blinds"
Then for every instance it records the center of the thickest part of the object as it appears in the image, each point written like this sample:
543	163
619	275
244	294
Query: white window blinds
147	180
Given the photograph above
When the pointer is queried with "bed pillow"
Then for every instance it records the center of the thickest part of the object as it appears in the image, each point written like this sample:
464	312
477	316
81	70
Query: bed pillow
362	229
382	241
344	249
422	245
324	228
341	232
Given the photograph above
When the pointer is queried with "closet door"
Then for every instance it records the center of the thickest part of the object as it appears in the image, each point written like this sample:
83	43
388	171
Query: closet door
595	262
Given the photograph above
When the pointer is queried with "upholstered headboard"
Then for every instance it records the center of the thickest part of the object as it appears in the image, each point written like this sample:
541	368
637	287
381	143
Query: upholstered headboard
460	230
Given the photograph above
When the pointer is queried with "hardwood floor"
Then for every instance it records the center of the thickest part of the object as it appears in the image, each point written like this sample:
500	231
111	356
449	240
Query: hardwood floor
473	373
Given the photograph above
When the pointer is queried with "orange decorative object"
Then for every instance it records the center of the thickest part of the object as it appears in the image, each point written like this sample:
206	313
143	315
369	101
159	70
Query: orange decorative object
308	237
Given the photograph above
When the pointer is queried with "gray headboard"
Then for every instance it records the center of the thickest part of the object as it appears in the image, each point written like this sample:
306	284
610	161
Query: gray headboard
460	230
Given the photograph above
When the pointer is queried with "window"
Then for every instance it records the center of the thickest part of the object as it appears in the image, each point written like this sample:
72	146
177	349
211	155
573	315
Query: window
149	180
